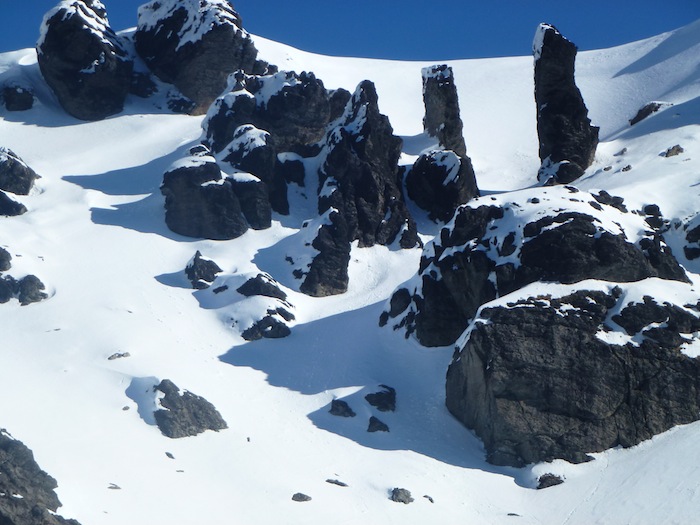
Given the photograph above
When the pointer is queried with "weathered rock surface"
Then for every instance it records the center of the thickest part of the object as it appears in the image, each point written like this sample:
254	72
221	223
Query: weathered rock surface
377	425
567	140
269	327
15	176
384	400
17	97
83	60
195	45
262	284
5	260
185	414
27	494
10	207
647	110
537	380
201	271
442	119
401	496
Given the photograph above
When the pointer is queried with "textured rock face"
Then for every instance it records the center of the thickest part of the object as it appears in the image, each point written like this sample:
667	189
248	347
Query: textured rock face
567	140
442	119
83	60
195	45
439	182
538	380
15	176
201	272
185	414
10	207
27	494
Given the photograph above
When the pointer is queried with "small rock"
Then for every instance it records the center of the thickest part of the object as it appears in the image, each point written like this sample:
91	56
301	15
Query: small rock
17	98
431	500
644	112
376	425
627	168
114	486
341	408
170	455
548	480
674	150
185	414
384	401
336	482
401	496
301	497
118	355
201	271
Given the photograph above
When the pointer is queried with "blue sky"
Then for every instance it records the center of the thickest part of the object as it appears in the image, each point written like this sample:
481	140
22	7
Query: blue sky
408	29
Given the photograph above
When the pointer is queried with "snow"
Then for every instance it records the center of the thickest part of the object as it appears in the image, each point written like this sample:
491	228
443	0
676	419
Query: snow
95	234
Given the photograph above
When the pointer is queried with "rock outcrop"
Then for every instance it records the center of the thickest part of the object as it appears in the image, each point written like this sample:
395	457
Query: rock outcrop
195	45
560	377
15	176
185	414
83	61
692	238
201	271
10	207
567	140
29	289
442	119
27	493
17	97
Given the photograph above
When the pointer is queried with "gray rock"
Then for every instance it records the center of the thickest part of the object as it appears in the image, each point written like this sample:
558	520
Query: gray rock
401	496
301	497
648	109
5	260
185	414
442	119
30	290
673	151
269	327
15	176
10	207
548	480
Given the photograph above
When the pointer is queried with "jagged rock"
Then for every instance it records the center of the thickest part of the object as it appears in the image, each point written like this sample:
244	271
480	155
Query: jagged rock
262	284
5	259
27	493
17	98
195	45
30	290
692	239
200	201
10	207
338	99
442	119
15	176
384	401
673	151
536	380
401	496
377	425
548	480
301	497
83	61
201	272
185	414
269	327
439	182
567	140
254	199
341	408
648	109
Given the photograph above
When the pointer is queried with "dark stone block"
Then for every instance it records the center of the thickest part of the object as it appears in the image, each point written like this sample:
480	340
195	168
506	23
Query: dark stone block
15	176
442	119
201	272
10	207
376	425
17	98
401	496
262	284
341	408
384	401
185	414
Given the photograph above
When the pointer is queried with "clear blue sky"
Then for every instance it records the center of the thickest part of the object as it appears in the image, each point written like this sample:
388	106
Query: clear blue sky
408	29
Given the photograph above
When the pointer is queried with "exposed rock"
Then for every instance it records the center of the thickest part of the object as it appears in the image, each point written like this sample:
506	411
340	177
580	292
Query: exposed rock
262	284
142	85
269	327
376	425
300	497
548	480
5	259
648	109
616	202
10	207
341	408
384	401
567	140
673	151
692	239
442	119
195	45
8	286
336	482
536	380
401	496
439	182
17	98
15	176
185	414
201	271
30	290
27	493
253	196
83	60
200	201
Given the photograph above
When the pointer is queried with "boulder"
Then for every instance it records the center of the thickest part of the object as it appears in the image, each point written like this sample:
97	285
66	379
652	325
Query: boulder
269	327
439	182
15	176
647	110
27	493
262	284
195	45
10	207
442	119
83	60
567	140
401	496
384	400
538	379
377	425
254	198
185	414
30	290
201	271
5	260
17	98
341	408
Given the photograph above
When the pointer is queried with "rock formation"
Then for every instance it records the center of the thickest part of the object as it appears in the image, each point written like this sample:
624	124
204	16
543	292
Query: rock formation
201	271
195	45
567	140
271	323
185	414
10	207
15	176
83	60
442	119
17	97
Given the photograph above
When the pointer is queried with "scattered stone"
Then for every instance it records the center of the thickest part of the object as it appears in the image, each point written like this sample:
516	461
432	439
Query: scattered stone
376	425
384	401
170	455
401	496
262	284
616	202
15	176
185	414
442	119
430	499
623	151
341	408
118	355
548	480
17	98
673	151
114	486
336	482
301	497
627	168
201	271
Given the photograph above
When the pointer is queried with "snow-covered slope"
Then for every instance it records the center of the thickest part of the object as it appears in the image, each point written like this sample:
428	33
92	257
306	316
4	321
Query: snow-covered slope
95	234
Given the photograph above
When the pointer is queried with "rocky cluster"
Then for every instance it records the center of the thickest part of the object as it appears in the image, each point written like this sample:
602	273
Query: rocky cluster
185	414
384	401
29	289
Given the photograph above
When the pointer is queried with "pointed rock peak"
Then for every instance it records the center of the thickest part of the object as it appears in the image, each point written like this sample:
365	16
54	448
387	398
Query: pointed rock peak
548	37
442	119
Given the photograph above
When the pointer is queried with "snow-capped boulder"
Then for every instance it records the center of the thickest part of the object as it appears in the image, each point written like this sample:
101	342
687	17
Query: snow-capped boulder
195	45
262	284
439	181
200	201
17	97
27	493
10	207
185	414
567	140
83	61
15	176
563	375
442	119
201	271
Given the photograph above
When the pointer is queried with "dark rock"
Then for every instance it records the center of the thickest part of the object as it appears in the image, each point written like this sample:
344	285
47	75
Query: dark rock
83	60
548	480
692	238
195	45
384	401
442	119
27	493
627	168
439	182
341	408
15	176
8	287
644	112
142	85
118	355
300	497
338	99
536	383
616	202
269	327
220	289
10	207
185	414
567	140
673	151
17	98
661	258
376	425
201	272
30	290
401	496
262	284
5	259
199	201
254	200
336	482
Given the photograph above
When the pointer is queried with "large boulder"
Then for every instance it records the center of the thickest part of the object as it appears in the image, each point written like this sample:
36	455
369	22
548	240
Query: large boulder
195	45
556	377
15	176
186	414
442	119
10	207
27	493
567	140
83	61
